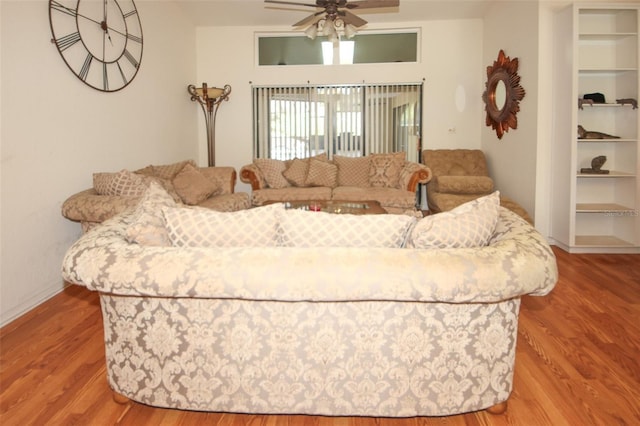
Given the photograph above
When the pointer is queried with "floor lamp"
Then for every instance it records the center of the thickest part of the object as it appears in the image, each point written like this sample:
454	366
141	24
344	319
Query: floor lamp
210	99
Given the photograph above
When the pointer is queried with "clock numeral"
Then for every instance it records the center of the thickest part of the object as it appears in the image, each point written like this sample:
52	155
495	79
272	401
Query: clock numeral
134	38
84	72
67	41
128	14
105	77
131	59
124	77
64	9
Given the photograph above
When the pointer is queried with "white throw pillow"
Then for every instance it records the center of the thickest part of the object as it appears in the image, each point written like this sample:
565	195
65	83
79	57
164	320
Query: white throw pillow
301	228
201	227
147	227
469	225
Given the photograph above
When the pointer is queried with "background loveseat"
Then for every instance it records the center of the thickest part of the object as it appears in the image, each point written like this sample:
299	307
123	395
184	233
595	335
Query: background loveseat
283	311
459	176
112	193
386	178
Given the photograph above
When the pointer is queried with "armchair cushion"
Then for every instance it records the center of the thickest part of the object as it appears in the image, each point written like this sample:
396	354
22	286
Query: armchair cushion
463	184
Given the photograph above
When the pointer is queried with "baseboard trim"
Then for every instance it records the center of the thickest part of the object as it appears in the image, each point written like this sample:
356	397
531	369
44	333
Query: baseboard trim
41	297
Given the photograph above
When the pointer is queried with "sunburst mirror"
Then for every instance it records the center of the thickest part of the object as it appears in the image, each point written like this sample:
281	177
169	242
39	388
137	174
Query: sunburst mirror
503	94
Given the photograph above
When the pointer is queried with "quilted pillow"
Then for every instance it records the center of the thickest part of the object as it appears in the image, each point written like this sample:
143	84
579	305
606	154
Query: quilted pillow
384	169
123	183
201	227
192	186
469	225
321	173
301	228
352	171
147	227
297	171
272	171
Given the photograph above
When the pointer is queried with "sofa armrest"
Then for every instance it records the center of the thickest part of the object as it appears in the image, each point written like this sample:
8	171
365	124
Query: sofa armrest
88	206
224	177
462	184
412	174
251	174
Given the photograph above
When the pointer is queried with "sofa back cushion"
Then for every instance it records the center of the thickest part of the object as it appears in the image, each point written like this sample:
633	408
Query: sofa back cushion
384	169
201	227
272	171
352	171
300	228
321	173
469	225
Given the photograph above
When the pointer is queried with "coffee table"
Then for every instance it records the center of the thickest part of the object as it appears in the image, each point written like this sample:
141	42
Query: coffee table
337	206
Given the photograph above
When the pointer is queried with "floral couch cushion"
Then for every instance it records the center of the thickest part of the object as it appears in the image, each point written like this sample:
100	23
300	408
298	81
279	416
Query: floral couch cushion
147	227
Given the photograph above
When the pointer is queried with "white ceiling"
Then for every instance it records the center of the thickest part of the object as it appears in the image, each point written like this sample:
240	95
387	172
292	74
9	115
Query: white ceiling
258	13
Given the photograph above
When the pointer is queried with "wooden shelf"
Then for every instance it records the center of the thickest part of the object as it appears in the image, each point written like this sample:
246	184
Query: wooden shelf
601	241
602	208
611	174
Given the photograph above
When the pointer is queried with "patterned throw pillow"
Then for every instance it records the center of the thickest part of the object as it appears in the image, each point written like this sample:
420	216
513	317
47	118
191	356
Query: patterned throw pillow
300	228
147	227
321	173
296	172
272	171
192	186
169	171
352	171
122	183
384	170
200	227
469	225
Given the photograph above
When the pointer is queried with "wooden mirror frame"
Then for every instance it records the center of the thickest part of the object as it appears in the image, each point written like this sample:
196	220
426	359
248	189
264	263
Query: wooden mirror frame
503	70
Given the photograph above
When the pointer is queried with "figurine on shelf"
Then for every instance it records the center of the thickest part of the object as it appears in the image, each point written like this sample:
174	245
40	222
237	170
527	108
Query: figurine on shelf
586	134
631	101
584	101
596	166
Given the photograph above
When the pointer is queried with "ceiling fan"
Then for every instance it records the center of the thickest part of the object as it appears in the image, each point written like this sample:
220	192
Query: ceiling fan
337	12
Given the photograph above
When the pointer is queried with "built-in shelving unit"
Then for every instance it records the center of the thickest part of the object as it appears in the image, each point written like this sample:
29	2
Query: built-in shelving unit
597	212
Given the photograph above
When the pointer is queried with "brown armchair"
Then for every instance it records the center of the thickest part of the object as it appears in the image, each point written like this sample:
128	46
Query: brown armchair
461	175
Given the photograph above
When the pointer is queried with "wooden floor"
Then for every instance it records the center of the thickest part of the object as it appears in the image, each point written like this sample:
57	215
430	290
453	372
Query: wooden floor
578	361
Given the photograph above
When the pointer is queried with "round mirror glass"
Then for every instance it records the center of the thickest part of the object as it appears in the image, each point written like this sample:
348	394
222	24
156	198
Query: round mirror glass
500	96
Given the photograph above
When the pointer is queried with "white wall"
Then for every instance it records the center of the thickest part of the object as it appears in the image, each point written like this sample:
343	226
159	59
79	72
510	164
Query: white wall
451	65
513	27
56	131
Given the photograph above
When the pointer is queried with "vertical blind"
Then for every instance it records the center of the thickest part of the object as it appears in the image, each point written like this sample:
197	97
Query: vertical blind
350	120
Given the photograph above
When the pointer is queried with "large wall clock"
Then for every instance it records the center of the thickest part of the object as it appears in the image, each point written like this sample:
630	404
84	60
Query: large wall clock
100	40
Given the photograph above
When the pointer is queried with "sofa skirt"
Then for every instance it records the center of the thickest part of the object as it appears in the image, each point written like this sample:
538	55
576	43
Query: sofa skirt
370	358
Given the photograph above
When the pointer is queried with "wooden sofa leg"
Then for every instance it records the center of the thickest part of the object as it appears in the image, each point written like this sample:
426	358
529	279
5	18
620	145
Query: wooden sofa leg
499	408
120	399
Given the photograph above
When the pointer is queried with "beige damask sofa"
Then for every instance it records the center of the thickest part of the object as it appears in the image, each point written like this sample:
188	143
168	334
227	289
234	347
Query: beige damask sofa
386	178
270	310
114	192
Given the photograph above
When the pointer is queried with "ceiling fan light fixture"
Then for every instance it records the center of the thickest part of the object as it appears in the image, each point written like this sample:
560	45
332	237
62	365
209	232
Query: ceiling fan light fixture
312	31
350	31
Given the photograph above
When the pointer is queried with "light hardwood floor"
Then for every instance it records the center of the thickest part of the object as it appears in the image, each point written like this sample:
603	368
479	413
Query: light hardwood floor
578	361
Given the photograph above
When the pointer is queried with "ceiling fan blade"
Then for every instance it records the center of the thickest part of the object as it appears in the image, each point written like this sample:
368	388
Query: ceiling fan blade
291	3
370	4
308	20
350	18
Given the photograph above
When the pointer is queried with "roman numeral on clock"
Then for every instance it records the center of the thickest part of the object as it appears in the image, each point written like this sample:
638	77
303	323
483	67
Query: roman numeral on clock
67	41
84	72
64	9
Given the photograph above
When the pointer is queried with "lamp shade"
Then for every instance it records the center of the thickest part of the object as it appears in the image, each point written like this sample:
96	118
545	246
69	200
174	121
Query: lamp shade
212	92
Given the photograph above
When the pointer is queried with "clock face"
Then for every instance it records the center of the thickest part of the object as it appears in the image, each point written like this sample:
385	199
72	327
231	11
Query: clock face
99	40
